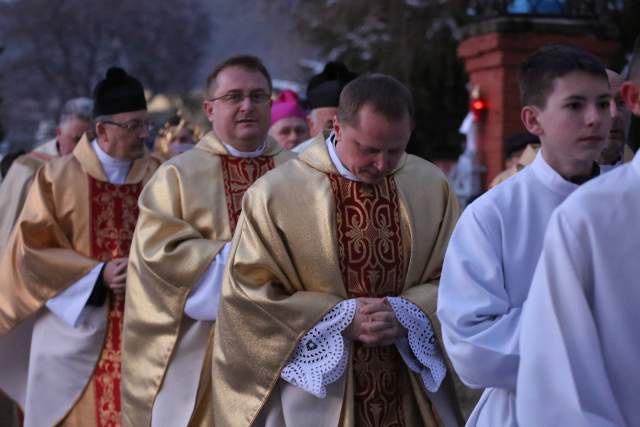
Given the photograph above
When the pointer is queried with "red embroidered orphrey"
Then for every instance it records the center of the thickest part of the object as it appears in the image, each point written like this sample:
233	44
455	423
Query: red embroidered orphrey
372	263
239	173
113	212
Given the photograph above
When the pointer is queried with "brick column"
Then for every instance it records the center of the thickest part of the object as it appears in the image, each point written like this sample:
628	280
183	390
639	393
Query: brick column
492	54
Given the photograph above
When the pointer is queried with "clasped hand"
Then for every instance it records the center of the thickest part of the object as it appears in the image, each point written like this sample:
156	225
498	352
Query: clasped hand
374	323
114	275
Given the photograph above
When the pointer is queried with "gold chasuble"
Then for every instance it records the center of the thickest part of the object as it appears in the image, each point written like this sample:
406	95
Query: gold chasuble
72	220
188	211
307	239
14	187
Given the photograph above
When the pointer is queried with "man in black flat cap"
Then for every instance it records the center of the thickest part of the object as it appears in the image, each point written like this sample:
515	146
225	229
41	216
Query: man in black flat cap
323	94
64	269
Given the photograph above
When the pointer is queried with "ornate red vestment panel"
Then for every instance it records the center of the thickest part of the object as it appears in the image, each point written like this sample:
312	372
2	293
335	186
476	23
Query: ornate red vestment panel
372	264
114	212
239	173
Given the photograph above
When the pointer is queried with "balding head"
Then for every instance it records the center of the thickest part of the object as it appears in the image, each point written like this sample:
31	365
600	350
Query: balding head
630	89
620	117
615	81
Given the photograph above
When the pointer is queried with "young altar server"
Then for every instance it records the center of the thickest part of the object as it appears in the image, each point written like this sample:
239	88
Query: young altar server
579	343
496	244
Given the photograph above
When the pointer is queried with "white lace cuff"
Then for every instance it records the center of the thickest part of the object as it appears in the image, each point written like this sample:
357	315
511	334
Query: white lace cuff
419	351
321	355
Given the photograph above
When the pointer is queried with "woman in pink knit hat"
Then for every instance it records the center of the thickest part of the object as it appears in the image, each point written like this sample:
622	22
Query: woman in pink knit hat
288	124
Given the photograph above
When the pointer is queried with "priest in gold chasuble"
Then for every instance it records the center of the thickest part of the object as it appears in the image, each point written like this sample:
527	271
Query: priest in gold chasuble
188	213
75	120
327	315
63	272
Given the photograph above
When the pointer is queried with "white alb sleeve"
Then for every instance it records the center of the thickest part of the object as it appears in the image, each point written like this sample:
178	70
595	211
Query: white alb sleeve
419	349
69	303
204	299
321	355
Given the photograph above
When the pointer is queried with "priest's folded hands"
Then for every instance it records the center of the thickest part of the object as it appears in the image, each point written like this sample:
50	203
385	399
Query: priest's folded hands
374	323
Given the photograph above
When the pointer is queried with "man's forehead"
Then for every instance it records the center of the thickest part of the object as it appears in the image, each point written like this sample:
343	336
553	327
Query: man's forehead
240	78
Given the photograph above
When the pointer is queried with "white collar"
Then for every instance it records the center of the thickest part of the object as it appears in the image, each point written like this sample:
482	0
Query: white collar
250	154
342	170
115	169
636	162
550	178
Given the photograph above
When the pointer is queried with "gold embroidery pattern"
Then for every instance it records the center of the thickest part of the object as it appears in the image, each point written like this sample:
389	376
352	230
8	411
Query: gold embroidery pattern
114	212
107	375
239	173
372	263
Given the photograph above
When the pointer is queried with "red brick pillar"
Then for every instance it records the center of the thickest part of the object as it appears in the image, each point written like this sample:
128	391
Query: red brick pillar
492	55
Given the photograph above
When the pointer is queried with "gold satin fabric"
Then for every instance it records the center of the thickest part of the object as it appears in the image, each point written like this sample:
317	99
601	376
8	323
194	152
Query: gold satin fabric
50	247
183	224
13	193
14	187
284	275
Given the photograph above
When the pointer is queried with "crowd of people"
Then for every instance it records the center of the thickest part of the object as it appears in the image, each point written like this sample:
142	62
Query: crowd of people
294	266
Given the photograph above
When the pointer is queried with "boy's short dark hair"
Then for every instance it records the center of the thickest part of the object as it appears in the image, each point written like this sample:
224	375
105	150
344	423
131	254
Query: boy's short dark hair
249	62
386	95
540	70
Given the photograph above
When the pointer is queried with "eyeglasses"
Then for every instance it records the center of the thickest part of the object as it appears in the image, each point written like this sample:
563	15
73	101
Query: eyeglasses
131	125
259	97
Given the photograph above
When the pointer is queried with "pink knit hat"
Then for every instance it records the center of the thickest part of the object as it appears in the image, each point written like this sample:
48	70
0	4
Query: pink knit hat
285	106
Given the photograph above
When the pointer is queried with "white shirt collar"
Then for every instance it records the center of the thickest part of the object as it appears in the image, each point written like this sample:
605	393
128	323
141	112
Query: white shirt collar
342	170
608	168
115	169
636	162
550	178
249	154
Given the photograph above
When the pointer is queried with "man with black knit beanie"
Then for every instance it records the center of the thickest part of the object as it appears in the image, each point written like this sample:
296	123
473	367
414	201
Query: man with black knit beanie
64	268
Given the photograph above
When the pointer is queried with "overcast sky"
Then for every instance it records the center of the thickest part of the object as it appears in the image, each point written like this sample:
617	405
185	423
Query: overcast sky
241	26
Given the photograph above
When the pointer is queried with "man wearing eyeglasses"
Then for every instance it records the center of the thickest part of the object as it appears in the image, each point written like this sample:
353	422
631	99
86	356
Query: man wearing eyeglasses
188	213
63	272
75	120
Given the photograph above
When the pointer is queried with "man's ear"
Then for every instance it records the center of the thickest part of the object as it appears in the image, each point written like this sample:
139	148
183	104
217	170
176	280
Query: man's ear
101	132
309	121
530	116
337	128
58	132
630	93
207	107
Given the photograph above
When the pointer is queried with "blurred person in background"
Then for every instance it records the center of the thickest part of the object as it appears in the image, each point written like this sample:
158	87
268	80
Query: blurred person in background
175	137
323	95
75	121
288	124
